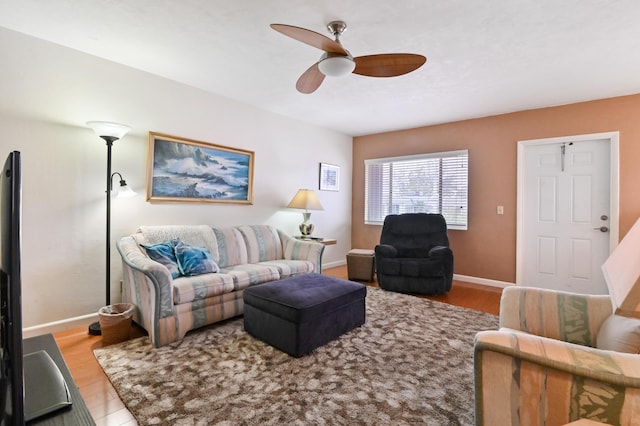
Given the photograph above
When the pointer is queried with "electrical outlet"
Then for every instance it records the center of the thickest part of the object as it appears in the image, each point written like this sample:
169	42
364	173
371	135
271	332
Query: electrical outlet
500	209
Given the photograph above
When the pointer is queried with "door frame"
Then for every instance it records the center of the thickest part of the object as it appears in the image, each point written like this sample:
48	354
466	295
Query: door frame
614	187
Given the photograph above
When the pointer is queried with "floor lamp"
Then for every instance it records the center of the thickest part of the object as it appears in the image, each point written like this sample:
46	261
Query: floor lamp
110	132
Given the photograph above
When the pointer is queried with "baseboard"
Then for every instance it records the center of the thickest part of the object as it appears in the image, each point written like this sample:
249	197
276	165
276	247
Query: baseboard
334	264
54	327
483	281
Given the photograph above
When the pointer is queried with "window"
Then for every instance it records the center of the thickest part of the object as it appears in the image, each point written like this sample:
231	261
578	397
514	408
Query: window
425	183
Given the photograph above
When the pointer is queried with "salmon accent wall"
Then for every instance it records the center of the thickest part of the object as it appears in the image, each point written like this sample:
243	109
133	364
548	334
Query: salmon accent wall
488	248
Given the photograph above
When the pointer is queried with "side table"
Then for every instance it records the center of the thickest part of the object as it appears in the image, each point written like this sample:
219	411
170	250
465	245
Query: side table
325	241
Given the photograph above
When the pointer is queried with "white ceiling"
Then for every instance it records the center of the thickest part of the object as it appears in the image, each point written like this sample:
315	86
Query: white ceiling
484	57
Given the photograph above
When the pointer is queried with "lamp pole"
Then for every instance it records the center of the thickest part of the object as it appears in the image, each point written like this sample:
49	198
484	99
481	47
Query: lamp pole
110	132
94	328
109	140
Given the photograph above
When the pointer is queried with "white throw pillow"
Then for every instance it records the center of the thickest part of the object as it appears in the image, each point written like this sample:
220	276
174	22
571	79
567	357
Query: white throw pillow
620	334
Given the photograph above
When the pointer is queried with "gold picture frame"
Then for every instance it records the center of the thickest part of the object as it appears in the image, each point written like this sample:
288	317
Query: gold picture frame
187	170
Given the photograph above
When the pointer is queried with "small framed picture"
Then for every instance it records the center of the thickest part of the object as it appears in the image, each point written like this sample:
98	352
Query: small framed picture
329	177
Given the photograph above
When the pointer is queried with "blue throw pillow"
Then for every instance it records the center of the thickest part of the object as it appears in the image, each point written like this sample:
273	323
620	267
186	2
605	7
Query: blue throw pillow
164	253
194	260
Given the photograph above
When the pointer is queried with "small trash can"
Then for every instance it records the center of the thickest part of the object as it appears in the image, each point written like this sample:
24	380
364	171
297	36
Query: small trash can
115	322
360	264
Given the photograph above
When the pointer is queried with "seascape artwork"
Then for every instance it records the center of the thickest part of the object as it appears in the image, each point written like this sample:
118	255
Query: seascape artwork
195	172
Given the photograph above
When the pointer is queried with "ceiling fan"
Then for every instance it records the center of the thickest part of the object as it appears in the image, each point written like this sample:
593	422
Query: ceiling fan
336	61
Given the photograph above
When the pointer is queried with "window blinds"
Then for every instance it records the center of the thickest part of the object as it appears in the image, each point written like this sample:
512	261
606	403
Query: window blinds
425	183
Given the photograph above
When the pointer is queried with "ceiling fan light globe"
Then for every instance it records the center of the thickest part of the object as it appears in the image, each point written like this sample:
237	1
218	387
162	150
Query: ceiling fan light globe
336	66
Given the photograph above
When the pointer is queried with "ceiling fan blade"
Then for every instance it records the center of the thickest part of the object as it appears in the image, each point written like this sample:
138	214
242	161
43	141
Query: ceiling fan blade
388	64
310	80
311	38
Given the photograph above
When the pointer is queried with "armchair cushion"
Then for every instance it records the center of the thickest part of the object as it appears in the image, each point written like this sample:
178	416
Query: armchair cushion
412	267
620	334
420	252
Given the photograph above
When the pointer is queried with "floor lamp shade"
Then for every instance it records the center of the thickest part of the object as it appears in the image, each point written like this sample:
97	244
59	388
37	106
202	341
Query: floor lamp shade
108	129
308	200
124	190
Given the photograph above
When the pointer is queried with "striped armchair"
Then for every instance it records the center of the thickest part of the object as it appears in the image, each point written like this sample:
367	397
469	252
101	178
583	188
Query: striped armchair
542	366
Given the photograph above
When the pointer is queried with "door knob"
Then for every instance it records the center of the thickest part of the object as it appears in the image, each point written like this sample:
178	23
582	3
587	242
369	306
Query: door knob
602	229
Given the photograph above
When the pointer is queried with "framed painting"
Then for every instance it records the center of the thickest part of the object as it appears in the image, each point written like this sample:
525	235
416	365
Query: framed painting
185	170
329	177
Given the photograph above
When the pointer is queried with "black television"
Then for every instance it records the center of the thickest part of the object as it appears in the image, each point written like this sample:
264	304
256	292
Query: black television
31	385
12	391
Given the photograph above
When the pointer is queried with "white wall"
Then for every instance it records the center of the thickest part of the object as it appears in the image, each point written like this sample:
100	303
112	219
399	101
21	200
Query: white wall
49	92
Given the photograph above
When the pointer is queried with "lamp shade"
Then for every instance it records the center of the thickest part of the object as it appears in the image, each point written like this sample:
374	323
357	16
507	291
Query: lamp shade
125	191
105	128
305	199
336	66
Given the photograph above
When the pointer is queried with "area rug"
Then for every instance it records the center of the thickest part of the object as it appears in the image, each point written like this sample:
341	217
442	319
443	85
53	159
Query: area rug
410	363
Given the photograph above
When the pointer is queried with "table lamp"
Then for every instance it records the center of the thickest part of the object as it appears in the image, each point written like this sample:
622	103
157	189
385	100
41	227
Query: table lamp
308	200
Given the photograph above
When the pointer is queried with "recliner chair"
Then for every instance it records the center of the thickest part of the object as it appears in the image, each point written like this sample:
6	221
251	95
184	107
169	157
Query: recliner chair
414	255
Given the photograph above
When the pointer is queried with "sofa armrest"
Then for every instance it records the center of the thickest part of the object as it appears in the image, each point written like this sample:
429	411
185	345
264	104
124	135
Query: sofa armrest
143	276
522	378
294	249
570	317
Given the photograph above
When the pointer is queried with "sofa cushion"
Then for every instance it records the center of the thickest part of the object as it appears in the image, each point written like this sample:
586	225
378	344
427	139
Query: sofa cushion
194	260
289	268
251	274
189	289
164	254
262	241
232	249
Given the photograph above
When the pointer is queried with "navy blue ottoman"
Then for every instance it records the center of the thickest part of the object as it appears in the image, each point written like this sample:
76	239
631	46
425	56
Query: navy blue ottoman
301	313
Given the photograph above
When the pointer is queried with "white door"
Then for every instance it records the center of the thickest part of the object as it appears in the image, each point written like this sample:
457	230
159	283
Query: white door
566	217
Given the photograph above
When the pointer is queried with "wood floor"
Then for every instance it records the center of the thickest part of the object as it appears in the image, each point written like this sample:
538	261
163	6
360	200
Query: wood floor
102	400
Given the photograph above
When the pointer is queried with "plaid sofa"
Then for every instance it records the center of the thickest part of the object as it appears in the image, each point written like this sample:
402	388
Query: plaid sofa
246	255
542	367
